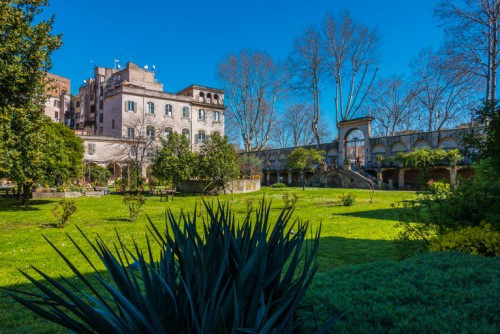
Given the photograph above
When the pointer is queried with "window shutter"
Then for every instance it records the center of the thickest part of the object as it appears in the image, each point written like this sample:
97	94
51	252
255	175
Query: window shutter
135	106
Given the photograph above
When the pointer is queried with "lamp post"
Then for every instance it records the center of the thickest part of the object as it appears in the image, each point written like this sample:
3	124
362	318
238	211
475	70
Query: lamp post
355	151
268	167
279	171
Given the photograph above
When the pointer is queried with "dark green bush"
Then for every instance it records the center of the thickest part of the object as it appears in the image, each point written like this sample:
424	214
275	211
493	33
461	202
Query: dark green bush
481	240
348	199
278	185
438	212
247	277
429	293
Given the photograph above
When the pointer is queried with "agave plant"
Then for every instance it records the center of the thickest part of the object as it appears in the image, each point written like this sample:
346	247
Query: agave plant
247	277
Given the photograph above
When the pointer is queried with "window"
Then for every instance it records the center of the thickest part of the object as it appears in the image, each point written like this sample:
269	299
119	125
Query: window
150	132
185	132
168	110
216	96
216	116
91	149
168	131
130	132
185	112
201	137
101	117
201	114
112	124
202	94
150	152
130	106
151	108
56	103
209	96
78	104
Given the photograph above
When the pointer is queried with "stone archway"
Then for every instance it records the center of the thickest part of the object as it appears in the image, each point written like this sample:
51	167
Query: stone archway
359	128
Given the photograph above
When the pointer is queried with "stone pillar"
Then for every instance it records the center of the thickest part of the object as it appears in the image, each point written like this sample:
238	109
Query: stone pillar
268	177
453	175
289	177
401	178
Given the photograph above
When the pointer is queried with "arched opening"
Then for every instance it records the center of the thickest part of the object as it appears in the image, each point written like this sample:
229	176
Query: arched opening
355	149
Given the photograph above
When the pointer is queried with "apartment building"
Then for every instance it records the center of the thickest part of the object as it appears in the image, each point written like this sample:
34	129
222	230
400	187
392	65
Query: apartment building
130	102
57	106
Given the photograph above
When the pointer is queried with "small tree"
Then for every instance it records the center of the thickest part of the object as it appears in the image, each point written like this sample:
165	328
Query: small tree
218	163
249	165
63	210
99	176
174	162
303	159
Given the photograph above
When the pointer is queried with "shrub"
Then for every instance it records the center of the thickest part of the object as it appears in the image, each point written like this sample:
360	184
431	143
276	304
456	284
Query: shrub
134	203
247	277
278	185
63	210
348	199
478	240
289	200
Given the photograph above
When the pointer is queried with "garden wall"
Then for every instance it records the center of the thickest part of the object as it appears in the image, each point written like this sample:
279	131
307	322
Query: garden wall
236	187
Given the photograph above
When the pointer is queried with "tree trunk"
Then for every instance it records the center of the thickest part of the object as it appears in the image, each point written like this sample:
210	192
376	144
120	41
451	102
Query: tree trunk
26	194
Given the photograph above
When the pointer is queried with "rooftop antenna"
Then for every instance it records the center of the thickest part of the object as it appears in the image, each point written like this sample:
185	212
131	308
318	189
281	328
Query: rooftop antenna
116	65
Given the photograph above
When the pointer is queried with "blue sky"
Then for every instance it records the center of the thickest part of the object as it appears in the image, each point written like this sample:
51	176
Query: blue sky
186	39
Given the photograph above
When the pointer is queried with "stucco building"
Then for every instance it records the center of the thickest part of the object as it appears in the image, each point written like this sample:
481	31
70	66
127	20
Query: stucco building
120	110
57	106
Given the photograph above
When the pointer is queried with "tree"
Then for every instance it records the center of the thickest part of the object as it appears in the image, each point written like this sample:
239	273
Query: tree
250	165
141	137
292	128
218	164
445	92
99	176
352	56
304	159
391	103
252	82
26	45
472	38
173	161
307	65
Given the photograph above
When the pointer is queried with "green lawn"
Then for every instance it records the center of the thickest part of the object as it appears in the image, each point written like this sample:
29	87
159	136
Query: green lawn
360	234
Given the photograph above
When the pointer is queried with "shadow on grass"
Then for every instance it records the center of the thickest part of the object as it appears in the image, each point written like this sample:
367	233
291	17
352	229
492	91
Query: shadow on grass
114	219
14	204
338	251
334	252
384	214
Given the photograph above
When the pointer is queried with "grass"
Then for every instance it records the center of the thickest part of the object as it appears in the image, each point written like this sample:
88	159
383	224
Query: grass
360	234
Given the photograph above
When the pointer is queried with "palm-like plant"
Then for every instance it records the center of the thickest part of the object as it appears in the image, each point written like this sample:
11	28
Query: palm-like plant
247	277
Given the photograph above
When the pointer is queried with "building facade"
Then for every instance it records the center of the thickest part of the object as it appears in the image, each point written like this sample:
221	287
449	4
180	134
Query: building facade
58	106
121	114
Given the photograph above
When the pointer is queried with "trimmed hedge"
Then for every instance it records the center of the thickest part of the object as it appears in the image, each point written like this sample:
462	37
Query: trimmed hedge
428	293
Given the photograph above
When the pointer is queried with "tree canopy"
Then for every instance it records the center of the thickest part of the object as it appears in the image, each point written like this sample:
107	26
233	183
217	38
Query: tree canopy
303	159
218	163
26	43
174	162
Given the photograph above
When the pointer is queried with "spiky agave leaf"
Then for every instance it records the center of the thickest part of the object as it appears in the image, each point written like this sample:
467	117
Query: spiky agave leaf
247	277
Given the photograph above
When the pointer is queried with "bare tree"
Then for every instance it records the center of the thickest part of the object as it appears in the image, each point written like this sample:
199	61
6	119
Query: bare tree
446	92
140	138
391	103
352	57
252	82
472	32
307	65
